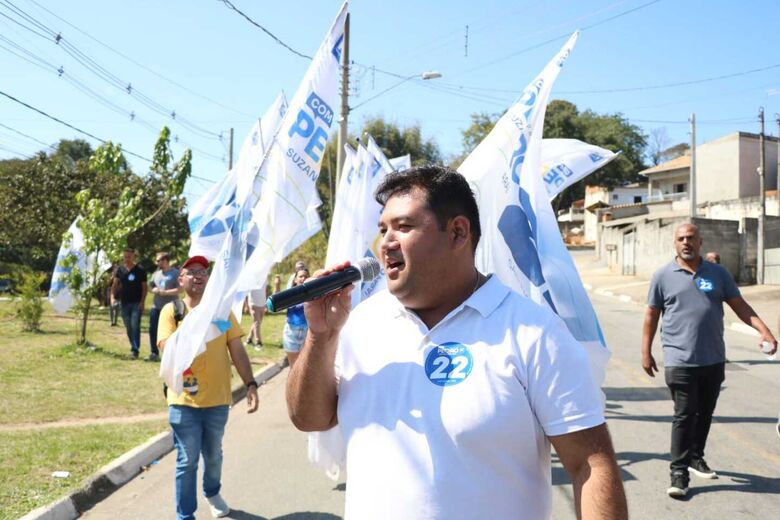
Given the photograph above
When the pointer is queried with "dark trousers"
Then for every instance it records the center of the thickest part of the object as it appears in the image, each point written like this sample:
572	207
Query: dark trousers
154	319
695	393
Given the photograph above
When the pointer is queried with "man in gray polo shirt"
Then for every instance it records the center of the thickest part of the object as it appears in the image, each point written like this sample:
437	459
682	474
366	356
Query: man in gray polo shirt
689	292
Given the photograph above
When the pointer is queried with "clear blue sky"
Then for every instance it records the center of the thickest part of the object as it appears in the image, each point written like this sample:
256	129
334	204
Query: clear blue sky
217	54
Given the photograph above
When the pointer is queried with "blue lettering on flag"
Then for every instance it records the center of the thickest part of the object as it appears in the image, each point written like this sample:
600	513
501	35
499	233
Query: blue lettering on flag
595	157
320	108
336	50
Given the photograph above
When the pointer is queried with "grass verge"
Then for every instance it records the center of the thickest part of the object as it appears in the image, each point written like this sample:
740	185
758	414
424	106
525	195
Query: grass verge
45	377
30	457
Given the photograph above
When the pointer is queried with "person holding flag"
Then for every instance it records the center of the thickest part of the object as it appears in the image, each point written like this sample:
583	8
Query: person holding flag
450	388
198	413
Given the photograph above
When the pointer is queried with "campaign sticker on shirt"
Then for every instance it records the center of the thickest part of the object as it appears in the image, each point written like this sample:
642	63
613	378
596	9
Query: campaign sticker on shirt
704	285
131	277
448	364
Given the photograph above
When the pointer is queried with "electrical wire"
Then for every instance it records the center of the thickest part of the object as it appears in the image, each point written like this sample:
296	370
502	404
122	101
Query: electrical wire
139	64
60	121
100	71
266	31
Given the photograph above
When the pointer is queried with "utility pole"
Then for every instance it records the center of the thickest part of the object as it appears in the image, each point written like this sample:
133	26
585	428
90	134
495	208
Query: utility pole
762	198
692	180
342	140
230	150
777	118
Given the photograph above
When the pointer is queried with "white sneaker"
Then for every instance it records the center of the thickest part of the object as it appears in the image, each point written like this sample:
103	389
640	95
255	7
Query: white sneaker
218	506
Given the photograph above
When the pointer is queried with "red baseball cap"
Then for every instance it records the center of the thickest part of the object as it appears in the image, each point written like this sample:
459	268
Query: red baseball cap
196	260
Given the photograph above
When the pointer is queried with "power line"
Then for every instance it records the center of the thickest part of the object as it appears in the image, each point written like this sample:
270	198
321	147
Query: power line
79	130
139	64
100	71
670	85
266	31
14	130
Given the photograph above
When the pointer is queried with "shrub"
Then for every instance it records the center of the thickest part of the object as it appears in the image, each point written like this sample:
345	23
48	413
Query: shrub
29	303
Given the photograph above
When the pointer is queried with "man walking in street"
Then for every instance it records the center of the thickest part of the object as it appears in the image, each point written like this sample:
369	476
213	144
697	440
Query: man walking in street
165	288
130	282
450	388
198	415
688	293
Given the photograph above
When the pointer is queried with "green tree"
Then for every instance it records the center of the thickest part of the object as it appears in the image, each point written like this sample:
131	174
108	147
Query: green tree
107	223
37	202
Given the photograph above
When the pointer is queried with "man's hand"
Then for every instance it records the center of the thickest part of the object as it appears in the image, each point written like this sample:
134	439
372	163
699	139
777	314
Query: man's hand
251	399
327	315
769	338
648	365
141	306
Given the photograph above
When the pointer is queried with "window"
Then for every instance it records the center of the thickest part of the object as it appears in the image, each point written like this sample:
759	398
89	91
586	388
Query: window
614	196
679	188
637	199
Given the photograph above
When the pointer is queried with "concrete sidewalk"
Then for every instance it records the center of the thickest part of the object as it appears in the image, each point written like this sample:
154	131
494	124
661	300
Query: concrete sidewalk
597	278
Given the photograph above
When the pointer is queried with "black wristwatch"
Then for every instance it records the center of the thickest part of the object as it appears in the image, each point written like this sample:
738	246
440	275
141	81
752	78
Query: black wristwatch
251	384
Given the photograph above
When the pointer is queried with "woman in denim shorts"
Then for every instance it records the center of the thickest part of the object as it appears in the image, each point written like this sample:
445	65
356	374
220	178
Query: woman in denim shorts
296	327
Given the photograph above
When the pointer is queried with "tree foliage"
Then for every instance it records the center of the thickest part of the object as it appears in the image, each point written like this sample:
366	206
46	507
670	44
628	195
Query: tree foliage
564	120
108	223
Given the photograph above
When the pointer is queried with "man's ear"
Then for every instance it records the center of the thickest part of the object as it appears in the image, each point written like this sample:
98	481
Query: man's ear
460	231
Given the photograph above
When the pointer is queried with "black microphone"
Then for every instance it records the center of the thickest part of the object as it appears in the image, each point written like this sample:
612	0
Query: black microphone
365	270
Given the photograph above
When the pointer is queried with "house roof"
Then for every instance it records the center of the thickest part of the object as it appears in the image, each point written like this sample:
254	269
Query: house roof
684	161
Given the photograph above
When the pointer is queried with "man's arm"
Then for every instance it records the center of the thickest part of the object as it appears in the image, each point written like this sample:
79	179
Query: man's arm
311	385
244	368
589	459
144	290
648	333
745	312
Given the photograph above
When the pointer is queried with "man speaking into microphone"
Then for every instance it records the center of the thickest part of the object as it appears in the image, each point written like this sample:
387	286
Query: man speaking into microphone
449	388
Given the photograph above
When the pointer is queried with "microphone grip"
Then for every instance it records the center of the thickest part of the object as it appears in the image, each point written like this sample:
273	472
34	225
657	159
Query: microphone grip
313	288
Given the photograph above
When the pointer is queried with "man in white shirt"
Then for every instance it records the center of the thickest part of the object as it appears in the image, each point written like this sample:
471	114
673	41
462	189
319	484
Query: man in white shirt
450	388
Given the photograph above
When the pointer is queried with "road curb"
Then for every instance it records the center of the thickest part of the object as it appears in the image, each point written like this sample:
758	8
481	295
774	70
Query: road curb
735	326
121	470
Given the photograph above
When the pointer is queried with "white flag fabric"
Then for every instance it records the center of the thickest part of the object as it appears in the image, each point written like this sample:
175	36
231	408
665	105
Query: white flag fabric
401	163
521	242
272	213
59	294
340	229
565	161
213	215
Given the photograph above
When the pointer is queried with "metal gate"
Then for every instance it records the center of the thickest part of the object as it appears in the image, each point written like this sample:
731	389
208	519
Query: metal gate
772	266
629	246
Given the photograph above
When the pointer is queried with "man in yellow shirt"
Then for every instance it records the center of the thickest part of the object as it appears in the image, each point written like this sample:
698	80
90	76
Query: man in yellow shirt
198	415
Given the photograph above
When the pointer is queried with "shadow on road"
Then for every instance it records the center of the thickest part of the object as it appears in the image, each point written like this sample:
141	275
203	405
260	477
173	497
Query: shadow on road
636	394
741	482
614	416
308	515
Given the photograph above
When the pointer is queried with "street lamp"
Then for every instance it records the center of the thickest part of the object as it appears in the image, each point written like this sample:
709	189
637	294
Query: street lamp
346	109
424	76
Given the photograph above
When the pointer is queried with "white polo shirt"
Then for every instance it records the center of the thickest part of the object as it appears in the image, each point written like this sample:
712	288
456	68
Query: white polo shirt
451	422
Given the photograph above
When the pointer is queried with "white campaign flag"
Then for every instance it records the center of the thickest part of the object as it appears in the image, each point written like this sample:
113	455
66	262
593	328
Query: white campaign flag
565	161
401	163
521	242
340	228
59	293
212	216
272	213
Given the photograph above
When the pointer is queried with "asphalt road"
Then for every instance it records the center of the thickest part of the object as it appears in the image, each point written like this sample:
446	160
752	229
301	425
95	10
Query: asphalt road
267	475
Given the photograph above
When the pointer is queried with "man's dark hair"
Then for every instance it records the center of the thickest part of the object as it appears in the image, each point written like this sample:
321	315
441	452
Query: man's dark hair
129	250
448	194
